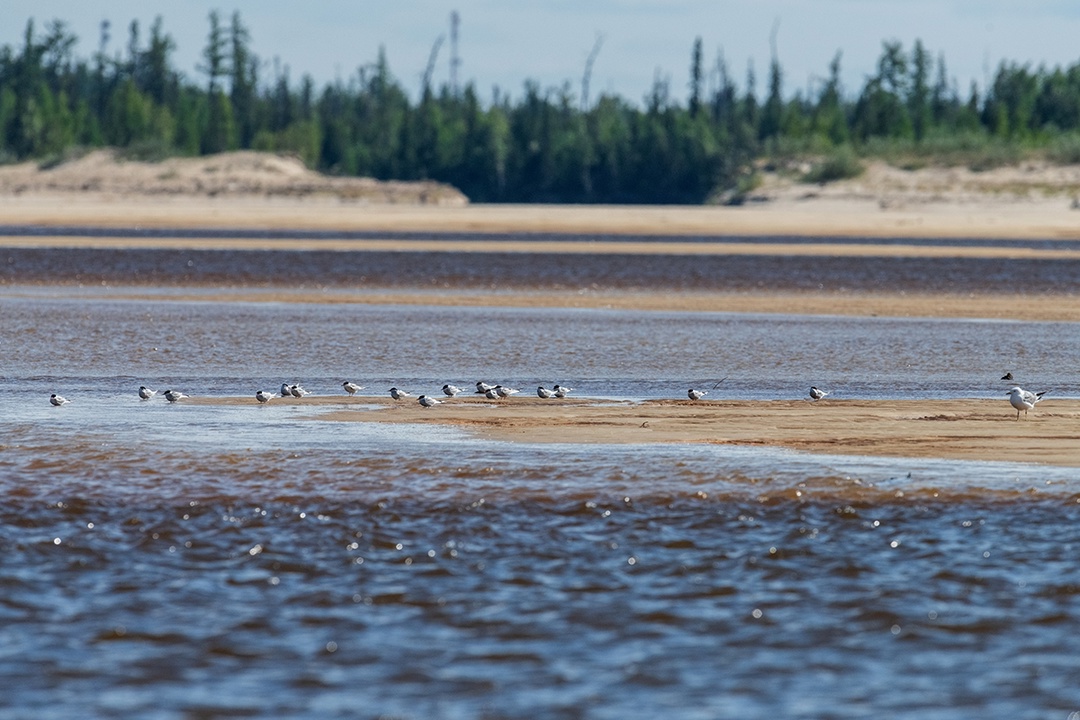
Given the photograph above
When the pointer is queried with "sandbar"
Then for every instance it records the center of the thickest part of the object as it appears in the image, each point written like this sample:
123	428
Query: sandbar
956	429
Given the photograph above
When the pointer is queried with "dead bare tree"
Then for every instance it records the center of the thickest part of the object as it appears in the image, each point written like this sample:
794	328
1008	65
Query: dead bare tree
588	71
431	62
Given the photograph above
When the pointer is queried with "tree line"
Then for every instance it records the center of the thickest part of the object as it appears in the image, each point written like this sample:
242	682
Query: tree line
548	144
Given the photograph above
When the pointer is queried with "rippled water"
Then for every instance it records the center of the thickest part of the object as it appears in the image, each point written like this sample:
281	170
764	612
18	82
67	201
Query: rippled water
206	561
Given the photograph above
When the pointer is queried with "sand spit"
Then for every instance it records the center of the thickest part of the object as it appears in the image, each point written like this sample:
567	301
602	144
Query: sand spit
970	429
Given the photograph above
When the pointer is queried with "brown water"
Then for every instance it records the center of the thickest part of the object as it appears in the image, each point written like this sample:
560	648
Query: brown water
173	561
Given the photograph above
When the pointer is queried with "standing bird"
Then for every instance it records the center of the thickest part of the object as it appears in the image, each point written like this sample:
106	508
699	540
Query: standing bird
264	397
351	387
146	393
561	391
285	390
696	394
428	402
174	395
482	387
1023	400
543	392
450	390
297	392
399	394
57	400
816	394
491	394
505	392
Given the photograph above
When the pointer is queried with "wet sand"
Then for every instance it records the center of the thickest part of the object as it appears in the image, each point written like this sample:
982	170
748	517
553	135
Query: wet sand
985	430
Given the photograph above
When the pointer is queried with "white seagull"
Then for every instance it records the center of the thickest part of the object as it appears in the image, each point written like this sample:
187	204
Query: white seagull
351	387
696	394
482	387
505	392
450	390
399	394
543	392
1023	400
57	400
428	402
285	391
264	397
561	391
174	395
816	393
297	392
146	393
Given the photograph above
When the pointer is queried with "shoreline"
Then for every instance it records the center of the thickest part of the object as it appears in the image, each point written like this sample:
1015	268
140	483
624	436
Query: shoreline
848	216
963	429
1000	307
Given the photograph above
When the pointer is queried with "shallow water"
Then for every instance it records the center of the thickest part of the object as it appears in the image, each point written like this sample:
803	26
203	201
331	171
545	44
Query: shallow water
201	561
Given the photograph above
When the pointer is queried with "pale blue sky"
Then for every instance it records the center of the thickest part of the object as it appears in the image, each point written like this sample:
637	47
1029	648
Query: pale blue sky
505	42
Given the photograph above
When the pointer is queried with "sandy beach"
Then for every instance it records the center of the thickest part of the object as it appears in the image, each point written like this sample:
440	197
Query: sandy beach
1019	203
953	429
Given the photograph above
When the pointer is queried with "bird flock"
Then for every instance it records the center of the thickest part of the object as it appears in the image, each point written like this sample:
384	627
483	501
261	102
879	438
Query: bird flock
1021	400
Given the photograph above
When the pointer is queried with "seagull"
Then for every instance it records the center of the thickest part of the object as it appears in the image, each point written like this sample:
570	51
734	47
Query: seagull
1007	376
285	390
428	402
505	392
398	394
482	387
696	394
1023	400
146	393
450	390
174	395
816	394
57	400
561	391
543	392
264	397
351	387
297	392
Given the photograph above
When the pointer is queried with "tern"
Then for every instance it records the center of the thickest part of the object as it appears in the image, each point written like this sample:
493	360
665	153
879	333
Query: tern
285	391
428	402
57	400
491	394
399	394
482	387
1007	376
696	394
351	387
146	393
174	395
505	392
297	392
450	390
561	391
817	394
264	397
1023	400
543	392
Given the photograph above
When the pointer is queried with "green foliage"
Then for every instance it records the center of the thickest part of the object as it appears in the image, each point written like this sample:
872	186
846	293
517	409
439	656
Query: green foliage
842	164
1064	149
545	145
